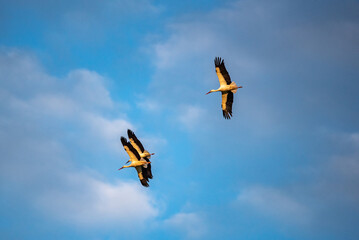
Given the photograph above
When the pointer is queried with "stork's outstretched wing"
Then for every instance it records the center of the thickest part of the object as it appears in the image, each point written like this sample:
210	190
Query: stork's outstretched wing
143	180
134	155
135	142
223	76
147	172
227	102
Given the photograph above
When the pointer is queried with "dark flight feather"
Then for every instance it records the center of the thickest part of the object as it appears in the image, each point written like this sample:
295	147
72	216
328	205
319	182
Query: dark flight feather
227	113
148	169
132	135
144	182
219	62
130	147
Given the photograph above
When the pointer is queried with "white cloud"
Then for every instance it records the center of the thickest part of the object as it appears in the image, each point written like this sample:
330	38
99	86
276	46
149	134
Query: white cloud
80	98
191	224
149	105
89	202
190	116
20	72
267	61
109	130
44	123
274	203
89	88
337	177
325	196
185	40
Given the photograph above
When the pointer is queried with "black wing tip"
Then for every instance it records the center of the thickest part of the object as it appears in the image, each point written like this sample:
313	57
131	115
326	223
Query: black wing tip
218	61
227	115
149	172
130	133
133	137
144	182
148	169
123	140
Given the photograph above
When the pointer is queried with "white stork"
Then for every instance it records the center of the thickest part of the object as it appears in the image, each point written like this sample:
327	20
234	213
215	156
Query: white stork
141	151
136	162
227	87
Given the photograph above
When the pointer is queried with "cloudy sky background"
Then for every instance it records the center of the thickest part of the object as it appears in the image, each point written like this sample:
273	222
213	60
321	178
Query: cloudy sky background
75	75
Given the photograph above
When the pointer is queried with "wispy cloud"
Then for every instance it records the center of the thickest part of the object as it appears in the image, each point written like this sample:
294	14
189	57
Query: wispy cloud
275	204
82	20
149	105
190	116
270	62
323	190
298	65
88	202
190	224
47	121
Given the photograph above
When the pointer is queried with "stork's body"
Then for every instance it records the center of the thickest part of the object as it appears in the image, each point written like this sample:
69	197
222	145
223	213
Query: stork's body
227	87
136	161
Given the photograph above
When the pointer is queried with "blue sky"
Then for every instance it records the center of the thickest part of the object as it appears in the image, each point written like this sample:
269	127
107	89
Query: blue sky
75	75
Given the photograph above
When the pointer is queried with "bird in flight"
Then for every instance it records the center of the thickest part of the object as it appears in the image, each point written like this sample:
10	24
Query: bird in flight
141	151
227	87
136	161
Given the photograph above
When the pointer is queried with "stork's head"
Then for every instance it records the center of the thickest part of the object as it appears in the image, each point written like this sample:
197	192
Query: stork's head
147	154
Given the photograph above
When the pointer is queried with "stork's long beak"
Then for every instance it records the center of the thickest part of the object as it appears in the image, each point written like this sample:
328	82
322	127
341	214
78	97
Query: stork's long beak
208	92
120	168
152	153
240	86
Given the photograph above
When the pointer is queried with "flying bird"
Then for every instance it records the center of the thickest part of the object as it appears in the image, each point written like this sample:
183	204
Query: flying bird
141	151
136	162
227	87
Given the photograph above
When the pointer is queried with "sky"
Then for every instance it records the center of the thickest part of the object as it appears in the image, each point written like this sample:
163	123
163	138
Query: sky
75	75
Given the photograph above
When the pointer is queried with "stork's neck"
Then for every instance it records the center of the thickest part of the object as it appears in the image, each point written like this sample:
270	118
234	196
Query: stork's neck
215	90
145	154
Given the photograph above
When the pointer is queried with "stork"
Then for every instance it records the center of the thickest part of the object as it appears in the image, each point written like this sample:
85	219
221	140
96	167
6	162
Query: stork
227	87
136	162
141	151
